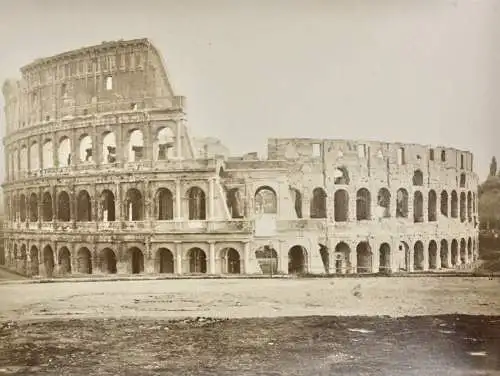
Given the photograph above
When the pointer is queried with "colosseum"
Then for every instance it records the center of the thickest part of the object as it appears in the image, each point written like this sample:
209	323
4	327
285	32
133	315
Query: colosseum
102	176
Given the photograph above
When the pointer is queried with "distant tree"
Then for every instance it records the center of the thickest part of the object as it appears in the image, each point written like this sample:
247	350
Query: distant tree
489	202
493	166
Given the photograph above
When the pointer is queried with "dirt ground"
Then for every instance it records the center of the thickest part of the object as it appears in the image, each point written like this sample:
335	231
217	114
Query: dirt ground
252	327
251	298
306	346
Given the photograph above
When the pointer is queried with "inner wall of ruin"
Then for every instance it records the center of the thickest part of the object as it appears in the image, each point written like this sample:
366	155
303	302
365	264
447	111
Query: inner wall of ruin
102	177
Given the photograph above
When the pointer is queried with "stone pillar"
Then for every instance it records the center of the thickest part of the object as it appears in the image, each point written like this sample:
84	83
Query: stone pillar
211	199
178	200
149	260
118	203
306	204
178	258
96	148
40	153
75	155
54	206
178	139
426	257
211	256
40	207
282	258
55	149
72	206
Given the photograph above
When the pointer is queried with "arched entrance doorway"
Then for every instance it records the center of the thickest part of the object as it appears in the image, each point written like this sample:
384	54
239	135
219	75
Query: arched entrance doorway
384	258
197	261
432	255
418	256
64	261
108	261
164	261
48	261
297	258
231	261
136	259
364	258
84	261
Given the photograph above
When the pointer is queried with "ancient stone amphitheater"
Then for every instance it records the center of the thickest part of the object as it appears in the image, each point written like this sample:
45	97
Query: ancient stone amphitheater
103	177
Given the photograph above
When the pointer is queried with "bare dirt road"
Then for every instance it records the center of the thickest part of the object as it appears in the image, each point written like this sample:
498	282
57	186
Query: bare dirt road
243	298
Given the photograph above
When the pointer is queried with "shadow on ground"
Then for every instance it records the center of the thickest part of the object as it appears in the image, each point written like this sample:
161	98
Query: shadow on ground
437	345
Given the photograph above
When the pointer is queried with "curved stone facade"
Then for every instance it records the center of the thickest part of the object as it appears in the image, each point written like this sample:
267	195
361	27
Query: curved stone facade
103	177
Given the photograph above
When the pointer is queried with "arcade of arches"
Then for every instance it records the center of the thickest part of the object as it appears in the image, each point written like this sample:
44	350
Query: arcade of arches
83	207
344	258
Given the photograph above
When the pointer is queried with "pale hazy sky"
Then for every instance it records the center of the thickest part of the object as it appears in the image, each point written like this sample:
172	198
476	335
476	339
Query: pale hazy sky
422	71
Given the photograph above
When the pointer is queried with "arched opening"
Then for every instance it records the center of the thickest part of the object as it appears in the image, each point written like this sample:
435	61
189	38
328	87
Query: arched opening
462	207
164	205
297	201
469	250
431	206
401	156
402	203
197	261
83	207
363	204
385	258
34	157
84	261
86	152
405	258
267	257
418	178
136	259
64	152
107	260
297	258
266	201
164	145
444	203
418	256
462	180
33	207
463	251
135	146
35	267
64	261
23	158
24	260
443	156
341	176
384	203
63	207
364	258
454	204
22	207
47	207
342	258
234	203
164	261
134	209
341	205
47	154
469	206
318	203
454	252
231	263
108	148
108	206
48	261
432	255
418	207
197	204
445	262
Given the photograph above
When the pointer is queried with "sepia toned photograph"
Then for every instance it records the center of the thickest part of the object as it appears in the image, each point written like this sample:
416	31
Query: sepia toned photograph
267	187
